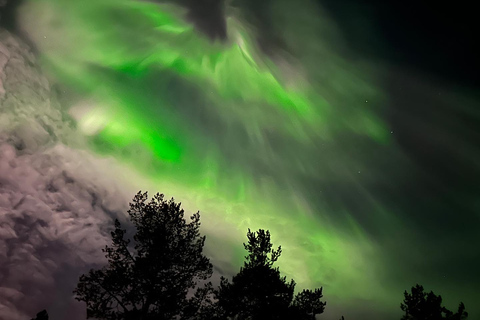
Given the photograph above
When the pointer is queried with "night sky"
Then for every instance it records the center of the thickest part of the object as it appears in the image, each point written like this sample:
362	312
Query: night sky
348	129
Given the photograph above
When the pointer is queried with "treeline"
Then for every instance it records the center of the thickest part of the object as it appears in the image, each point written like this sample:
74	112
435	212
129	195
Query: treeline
161	273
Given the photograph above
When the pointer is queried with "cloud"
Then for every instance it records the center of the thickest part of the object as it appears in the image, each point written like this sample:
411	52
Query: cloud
52	218
55	206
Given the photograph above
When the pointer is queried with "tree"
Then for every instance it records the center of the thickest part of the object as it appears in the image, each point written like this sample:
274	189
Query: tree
204	306
258	291
307	304
420	305
42	315
461	314
152	279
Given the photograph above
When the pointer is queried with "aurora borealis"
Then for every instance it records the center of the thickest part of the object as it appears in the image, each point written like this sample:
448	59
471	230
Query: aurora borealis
362	169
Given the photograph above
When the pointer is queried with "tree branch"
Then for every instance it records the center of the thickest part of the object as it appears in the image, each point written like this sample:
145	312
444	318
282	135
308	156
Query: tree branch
113	296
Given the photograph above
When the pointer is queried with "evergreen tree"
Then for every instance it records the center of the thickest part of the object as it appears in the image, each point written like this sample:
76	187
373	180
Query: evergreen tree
152	279
258	291
420	305
307	304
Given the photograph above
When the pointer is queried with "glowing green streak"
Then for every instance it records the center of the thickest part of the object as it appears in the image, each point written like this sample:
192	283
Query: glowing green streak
150	36
117	50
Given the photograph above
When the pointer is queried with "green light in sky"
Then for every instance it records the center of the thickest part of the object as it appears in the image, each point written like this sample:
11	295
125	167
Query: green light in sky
135	60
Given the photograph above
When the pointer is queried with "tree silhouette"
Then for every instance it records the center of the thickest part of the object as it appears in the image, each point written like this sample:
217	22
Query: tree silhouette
461	314
42	315
152	279
420	305
204	305
258	291
307	304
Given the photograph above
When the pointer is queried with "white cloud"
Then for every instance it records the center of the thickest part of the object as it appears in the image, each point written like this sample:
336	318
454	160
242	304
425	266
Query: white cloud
56	202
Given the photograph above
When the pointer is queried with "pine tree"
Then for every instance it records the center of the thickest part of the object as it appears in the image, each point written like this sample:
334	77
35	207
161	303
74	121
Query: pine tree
259	291
152	279
420	305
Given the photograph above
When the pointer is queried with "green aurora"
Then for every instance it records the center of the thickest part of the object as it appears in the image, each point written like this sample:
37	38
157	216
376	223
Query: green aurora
252	141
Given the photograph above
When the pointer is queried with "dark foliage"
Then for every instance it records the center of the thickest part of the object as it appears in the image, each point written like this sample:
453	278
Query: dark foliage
307	304
420	305
204	305
152	279
157	278
258	291
42	315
